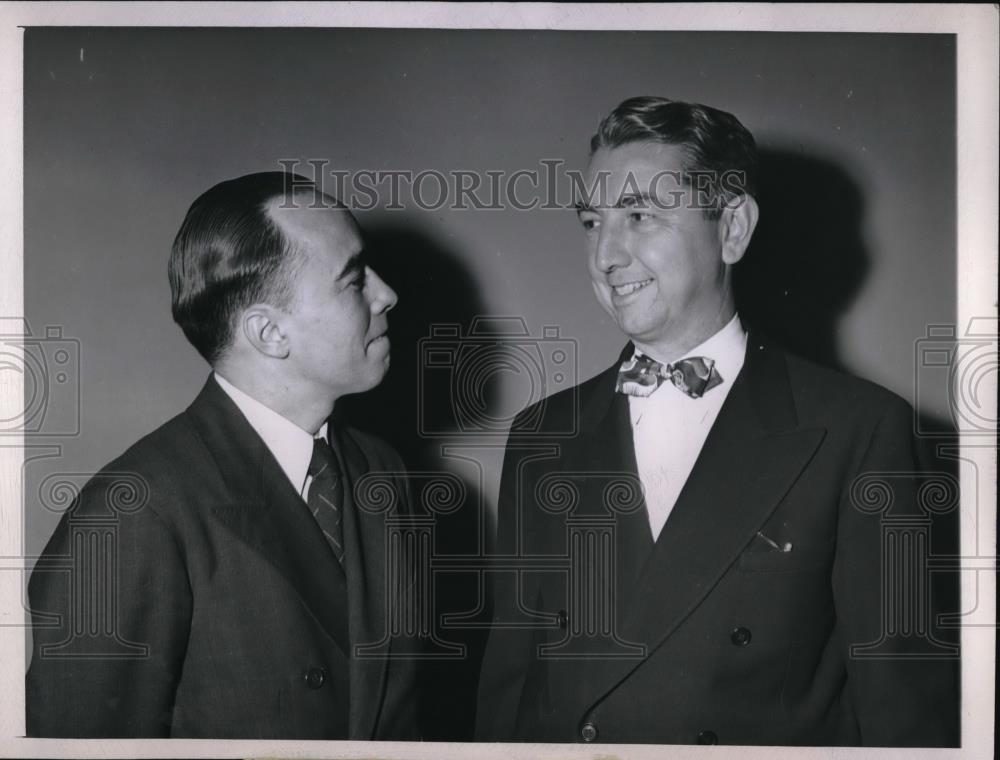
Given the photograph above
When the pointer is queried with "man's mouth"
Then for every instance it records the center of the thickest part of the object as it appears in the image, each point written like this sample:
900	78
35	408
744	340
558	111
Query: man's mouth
630	287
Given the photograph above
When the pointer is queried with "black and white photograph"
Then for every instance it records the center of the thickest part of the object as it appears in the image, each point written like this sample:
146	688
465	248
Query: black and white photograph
498	380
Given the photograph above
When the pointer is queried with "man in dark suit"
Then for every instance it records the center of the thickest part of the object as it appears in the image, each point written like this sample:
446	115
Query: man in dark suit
689	548
240	588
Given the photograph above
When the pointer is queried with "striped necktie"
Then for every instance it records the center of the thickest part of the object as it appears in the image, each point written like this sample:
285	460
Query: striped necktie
326	495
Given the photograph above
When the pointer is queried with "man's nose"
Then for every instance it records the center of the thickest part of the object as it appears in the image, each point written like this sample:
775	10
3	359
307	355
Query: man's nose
611	251
384	297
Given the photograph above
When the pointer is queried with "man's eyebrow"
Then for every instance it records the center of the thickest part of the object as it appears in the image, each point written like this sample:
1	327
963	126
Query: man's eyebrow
354	265
629	200
642	199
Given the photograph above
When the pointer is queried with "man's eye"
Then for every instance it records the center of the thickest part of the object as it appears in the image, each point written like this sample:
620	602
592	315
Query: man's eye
588	224
359	281
638	216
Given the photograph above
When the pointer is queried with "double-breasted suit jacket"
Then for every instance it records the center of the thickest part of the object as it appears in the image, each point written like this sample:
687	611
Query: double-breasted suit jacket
738	625
231	616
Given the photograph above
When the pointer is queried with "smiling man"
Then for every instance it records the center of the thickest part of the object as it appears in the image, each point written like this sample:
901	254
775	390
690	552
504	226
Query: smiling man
692	566
245	578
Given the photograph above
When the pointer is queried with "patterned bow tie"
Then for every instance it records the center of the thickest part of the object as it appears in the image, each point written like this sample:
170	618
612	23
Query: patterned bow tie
640	375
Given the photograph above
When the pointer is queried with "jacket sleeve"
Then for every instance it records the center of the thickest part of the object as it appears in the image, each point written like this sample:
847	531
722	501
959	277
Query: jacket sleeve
902	680
111	608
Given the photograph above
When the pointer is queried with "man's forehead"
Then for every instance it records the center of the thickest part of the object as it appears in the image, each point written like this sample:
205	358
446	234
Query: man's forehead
648	157
634	172
307	215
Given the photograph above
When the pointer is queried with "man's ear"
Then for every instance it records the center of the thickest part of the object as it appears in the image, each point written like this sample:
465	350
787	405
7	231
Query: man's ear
736	226
262	326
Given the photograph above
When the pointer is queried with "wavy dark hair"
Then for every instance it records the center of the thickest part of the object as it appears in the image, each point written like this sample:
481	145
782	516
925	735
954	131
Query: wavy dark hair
229	254
721	152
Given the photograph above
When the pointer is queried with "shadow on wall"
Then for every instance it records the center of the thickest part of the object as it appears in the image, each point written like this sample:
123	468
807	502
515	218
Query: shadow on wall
434	286
805	265
807	259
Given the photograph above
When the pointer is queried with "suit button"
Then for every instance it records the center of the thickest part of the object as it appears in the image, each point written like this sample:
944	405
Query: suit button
588	732
561	617
315	678
740	636
707	737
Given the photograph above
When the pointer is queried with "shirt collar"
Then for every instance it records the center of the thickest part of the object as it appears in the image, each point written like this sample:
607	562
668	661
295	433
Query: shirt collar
290	445
728	347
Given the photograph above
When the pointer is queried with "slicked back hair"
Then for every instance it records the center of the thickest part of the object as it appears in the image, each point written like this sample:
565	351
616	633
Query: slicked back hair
721	152
230	254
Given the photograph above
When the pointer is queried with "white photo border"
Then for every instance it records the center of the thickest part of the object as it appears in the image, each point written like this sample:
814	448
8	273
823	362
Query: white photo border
976	31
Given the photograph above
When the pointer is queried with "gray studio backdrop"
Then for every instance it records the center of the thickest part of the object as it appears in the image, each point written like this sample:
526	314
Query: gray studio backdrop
125	127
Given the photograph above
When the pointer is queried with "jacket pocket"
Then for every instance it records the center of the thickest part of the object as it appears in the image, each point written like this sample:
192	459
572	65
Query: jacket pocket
780	562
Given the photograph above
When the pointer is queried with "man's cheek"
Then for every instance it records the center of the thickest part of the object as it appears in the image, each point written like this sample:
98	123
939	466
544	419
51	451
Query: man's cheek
603	293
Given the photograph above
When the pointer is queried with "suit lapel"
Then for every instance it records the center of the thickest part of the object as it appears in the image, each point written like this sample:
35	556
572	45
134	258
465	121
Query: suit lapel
609	443
365	558
265	512
751	458
605	444
607	452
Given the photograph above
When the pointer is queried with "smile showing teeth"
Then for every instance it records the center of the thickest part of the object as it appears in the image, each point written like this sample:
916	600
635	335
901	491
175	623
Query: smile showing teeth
631	287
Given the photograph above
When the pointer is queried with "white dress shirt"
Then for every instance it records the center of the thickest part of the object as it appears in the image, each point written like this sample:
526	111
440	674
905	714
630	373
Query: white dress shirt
669	427
291	445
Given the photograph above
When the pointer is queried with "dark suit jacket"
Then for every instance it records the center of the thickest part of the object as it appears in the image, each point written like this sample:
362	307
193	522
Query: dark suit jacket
226	594
743	643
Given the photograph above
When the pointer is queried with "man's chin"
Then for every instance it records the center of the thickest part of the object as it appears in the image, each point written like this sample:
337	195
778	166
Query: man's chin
632	329
379	370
